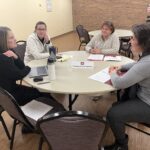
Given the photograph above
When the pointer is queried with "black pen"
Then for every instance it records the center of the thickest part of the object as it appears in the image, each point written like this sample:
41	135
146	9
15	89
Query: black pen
43	82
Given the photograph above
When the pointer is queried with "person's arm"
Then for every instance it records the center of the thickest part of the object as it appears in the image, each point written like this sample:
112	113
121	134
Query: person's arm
15	57
14	72
128	66
91	44
115	45
18	62
48	43
34	50
134	75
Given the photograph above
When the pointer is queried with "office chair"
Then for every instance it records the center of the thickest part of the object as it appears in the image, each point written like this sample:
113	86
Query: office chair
125	47
83	35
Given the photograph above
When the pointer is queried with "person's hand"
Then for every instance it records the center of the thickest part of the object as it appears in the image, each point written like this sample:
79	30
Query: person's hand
117	68
10	53
46	38
111	71
95	51
114	69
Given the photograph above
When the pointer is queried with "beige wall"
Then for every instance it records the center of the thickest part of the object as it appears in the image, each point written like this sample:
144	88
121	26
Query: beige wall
21	16
124	13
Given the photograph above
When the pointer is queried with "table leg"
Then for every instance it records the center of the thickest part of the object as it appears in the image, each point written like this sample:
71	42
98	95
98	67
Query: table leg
72	100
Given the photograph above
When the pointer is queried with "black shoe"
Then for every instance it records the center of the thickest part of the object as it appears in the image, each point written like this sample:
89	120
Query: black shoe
115	147
26	130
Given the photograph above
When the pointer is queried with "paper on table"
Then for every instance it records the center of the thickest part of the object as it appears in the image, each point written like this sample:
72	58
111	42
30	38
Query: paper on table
96	57
112	58
35	109
101	76
82	64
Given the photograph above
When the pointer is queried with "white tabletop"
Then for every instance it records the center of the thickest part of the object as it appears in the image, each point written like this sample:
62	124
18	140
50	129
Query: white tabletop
119	32
75	81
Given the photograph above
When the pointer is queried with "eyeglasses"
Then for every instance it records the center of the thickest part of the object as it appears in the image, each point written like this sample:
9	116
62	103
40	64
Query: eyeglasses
40	29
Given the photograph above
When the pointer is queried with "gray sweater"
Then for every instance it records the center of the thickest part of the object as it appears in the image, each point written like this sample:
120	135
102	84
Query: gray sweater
138	72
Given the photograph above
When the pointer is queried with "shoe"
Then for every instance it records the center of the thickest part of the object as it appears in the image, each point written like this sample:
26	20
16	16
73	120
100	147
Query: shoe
115	147
118	146
26	130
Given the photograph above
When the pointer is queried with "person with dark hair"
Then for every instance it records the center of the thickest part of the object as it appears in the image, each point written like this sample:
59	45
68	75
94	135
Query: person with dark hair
12	69
37	43
134	105
105	42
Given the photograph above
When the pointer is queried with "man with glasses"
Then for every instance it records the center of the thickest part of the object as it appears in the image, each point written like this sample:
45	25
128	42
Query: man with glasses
37	43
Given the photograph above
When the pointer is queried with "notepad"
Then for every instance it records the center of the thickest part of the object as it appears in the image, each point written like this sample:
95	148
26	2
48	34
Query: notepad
112	58
35	109
102	76
96	57
82	64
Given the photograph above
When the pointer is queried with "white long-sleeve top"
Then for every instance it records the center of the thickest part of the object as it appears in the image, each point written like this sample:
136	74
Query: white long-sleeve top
109	46
35	49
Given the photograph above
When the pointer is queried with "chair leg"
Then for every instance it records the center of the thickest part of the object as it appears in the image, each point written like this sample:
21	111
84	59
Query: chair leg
13	134
40	143
79	46
5	127
103	135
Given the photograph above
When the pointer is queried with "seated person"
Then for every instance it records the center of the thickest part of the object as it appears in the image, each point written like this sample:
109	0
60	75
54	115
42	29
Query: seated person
105	42
134	107
37	43
13	69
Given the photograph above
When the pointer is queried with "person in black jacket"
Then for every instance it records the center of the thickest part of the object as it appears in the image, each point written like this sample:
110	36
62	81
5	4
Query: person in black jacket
13	69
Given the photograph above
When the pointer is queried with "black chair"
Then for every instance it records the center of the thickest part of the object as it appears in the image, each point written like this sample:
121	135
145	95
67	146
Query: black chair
83	35
20	49
72	130
119	94
125	47
148	19
8	102
3	123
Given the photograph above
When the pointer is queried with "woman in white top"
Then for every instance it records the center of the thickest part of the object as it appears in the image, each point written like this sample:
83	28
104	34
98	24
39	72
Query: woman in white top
37	43
105	42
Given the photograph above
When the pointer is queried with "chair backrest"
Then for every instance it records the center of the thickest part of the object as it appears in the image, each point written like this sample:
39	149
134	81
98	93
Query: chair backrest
71	130
20	49
148	19
125	44
8	102
79	29
86	36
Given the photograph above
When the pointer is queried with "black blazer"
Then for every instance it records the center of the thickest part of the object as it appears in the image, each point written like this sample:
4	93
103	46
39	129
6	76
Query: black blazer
11	70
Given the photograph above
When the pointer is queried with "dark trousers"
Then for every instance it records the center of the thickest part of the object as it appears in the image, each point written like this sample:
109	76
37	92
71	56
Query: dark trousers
24	94
133	110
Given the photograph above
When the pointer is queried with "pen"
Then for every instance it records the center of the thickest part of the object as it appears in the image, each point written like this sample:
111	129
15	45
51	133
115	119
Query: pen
43	82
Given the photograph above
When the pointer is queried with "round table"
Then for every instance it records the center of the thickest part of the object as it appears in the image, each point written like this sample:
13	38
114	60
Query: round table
119	32
74	81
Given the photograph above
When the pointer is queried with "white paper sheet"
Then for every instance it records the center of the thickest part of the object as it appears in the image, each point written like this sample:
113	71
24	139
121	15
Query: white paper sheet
35	109
102	76
96	57
82	64
112	58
